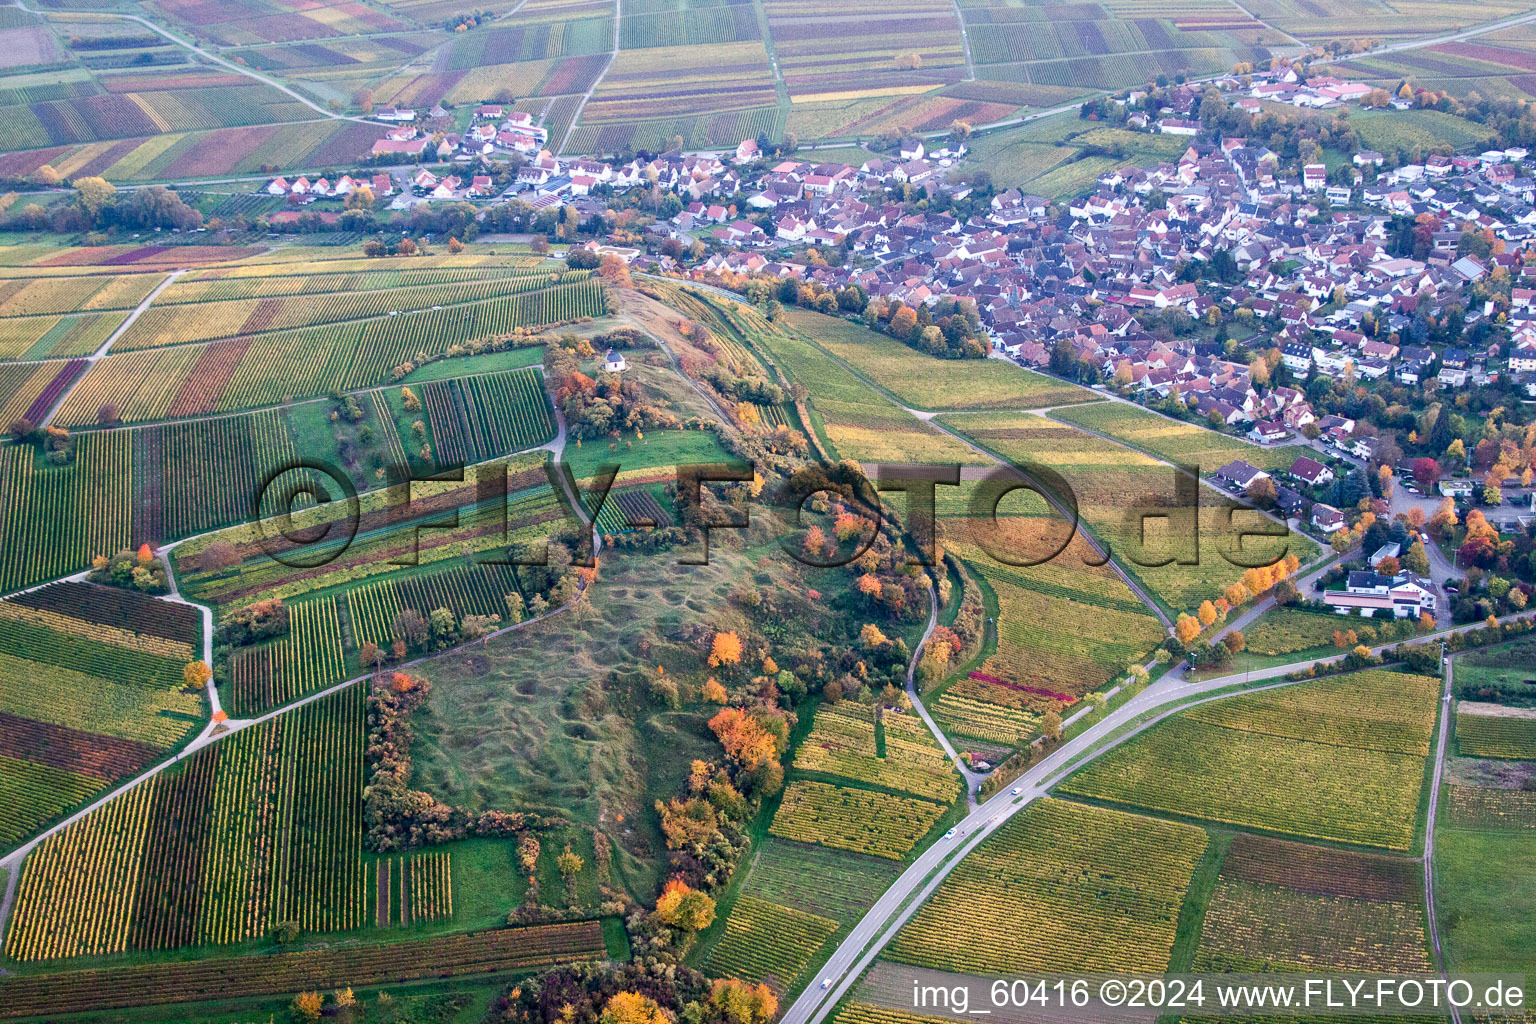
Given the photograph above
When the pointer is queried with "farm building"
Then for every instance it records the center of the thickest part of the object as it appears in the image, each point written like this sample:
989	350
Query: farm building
1367	592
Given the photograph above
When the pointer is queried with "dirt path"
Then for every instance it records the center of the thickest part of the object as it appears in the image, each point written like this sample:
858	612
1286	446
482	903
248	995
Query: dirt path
618	25
216	59
106	346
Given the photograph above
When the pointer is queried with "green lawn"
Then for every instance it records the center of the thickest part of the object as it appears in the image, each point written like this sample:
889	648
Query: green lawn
511	359
923	382
658	449
1485	888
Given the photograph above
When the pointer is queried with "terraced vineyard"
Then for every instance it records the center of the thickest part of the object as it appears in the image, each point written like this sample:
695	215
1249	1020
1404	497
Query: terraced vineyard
819	881
206	319
1112	486
924	382
1480	807
1340	759
1183	444
467	590
92	696
1504	733
767	942
1282	906
842	742
251	371
308	658
388	539
1066	887
260	828
502	949
860	820
856	422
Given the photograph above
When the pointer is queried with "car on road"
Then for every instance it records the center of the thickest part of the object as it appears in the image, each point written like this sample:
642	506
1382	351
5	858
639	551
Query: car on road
1016	791
950	834
826	982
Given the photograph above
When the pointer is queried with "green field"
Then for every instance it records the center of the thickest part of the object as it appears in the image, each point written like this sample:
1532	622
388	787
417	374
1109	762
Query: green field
1485	731
1065	887
1340	759
1184	444
1483	885
923	382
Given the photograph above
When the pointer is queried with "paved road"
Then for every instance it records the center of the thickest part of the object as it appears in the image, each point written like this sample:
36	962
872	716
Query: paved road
1166	697
972	779
1429	829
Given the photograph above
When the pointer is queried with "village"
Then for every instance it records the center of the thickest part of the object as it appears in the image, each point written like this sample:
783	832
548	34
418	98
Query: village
1254	295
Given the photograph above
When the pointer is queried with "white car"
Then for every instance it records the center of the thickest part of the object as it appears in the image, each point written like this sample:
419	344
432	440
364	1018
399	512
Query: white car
1016	791
950	834
826	983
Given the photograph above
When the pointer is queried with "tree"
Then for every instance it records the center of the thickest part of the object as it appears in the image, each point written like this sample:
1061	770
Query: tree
1262	492
1235	642
195	674
107	413
743	737
633	1008
1206	613
740	1002
725	649
1236	595
1426	472
1187	628
528	851
569	862
683	906
908	61
1417	559
306	1006
444	628
410	627
46	176
714	692
93	195
1050	725
218	556
615	271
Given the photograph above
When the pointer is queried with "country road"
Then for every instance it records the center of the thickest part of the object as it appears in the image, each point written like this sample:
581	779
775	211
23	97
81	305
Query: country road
1432	920
106	346
881	922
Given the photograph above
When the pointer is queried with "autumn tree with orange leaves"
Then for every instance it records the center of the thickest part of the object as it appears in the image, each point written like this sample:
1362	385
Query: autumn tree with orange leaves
745	740
725	650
